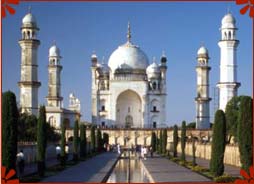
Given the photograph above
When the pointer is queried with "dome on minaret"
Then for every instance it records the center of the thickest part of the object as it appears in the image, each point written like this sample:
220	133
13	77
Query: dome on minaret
228	21
202	51
128	56
54	51
153	68
29	19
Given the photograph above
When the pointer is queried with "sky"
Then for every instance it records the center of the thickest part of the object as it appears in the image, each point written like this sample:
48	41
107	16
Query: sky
79	28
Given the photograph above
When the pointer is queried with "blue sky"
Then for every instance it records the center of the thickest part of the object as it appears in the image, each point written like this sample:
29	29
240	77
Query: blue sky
84	27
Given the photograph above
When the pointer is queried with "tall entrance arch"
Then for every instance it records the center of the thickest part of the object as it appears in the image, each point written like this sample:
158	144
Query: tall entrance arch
128	110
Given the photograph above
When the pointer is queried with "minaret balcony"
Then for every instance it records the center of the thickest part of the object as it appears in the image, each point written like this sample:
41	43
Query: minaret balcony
103	112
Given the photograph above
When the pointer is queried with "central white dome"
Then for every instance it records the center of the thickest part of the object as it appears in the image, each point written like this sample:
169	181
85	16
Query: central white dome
128	56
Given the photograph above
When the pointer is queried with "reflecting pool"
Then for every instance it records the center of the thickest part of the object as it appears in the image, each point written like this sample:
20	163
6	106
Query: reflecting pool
129	169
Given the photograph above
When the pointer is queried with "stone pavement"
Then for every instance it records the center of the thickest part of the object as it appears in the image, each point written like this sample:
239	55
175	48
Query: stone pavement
161	169
92	170
229	169
32	167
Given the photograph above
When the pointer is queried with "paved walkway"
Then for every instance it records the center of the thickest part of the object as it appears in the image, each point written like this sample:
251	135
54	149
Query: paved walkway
229	169
92	170
161	169
32	168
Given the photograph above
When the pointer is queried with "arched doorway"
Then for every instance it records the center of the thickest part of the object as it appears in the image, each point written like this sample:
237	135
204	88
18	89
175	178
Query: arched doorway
128	110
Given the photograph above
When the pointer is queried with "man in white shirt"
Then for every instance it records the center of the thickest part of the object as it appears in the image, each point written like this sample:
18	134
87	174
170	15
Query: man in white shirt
21	162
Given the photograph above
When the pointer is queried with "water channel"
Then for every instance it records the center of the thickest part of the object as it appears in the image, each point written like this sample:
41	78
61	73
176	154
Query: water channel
129	169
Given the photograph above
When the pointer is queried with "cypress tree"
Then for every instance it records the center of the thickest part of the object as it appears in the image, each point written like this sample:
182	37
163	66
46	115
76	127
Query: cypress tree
63	142
10	117
164	141
98	140
175	140
41	141
82	140
153	141
218	144
93	138
193	150
183	140
245	132
157	142
161	142
75	141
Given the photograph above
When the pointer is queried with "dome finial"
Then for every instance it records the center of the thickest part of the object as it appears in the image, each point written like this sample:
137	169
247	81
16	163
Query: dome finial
129	32
54	42
29	9
229	9
154	59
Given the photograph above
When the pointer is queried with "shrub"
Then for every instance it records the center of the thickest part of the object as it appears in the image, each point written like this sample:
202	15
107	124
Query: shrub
224	179
9	130
218	144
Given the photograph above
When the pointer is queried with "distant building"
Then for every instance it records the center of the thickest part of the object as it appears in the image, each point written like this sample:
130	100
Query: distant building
128	92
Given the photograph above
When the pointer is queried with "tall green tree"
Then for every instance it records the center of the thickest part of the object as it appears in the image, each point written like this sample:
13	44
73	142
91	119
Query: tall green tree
75	140
193	140
231	114
82	145
99	140
153	141
93	143
158	142
175	140
218	144
41	141
10	117
161	142
183	140
245	128
164	141
63	142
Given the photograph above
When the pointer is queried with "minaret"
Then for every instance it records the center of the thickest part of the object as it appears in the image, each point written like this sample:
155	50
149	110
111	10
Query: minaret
94	62
163	68
202	99
54	98
228	84
29	83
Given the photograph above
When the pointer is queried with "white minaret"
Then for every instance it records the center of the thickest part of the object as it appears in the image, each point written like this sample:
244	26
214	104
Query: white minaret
202	99
228	84
54	98
94	62
29	83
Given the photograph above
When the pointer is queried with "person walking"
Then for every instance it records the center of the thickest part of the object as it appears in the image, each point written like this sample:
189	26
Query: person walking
21	163
58	152
66	151
145	152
